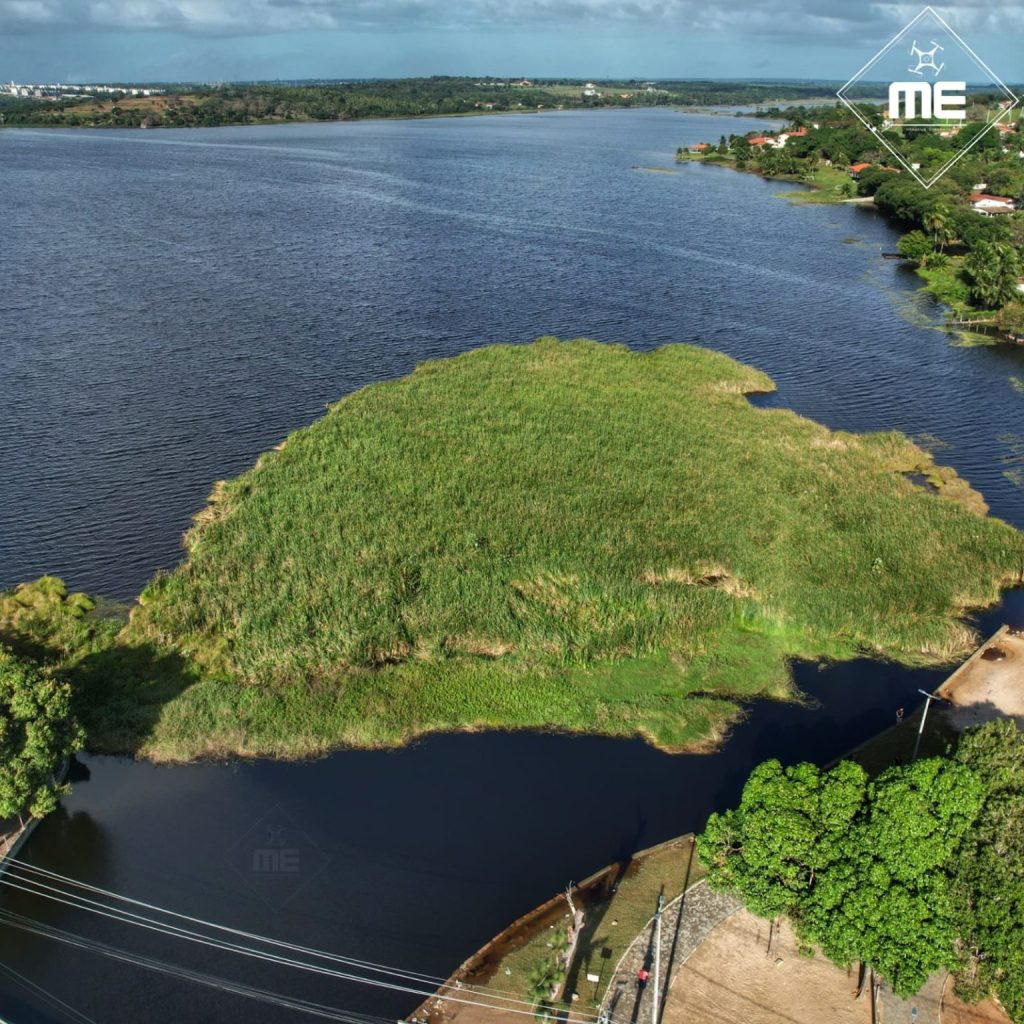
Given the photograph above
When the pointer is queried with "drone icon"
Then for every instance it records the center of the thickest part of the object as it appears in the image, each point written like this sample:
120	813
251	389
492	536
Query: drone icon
926	59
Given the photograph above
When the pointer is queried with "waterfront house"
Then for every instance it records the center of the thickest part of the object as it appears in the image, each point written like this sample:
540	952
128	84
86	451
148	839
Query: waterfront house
855	169
762	140
699	148
793	133
989	205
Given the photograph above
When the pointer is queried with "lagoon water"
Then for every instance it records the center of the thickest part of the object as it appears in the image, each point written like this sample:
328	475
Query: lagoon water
175	302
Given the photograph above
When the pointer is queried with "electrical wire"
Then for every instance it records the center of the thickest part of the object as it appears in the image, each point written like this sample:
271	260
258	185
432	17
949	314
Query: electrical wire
412	976
38	888
185	973
48	997
185	932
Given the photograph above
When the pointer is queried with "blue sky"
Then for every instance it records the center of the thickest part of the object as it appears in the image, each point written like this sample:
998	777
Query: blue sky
218	40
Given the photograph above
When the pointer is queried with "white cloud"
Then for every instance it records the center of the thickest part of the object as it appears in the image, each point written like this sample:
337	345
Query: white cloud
821	20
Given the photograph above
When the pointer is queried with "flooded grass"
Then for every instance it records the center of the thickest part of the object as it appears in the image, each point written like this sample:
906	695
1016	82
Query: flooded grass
567	536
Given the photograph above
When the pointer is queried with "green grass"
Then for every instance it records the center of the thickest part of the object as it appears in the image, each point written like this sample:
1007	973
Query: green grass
946	284
826	182
560	535
612	921
612	926
826	186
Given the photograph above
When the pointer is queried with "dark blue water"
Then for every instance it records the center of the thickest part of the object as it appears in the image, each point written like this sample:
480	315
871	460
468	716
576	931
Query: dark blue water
176	302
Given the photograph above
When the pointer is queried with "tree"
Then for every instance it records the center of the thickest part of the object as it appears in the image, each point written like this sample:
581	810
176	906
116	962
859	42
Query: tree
889	905
971	227
938	223
860	868
992	271
988	873
790	826
1011	319
916	246
36	734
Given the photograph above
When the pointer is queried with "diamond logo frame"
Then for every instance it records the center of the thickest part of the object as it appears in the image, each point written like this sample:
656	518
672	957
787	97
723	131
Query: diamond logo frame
997	82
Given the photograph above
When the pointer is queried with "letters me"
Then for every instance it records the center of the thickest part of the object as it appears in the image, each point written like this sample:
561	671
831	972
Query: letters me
936	100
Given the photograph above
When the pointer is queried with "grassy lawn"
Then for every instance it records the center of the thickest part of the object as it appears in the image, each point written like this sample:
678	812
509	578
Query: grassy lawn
826	187
612	922
825	182
563	535
613	925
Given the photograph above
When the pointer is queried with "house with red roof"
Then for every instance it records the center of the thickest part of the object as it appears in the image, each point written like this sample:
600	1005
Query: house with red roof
989	205
855	169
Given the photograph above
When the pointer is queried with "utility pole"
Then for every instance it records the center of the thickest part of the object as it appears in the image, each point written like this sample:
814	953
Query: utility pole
924	716
656	995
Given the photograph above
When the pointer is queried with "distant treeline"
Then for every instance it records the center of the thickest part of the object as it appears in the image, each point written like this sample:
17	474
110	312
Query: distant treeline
190	106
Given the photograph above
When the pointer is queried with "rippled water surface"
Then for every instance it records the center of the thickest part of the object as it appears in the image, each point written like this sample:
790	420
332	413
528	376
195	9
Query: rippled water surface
174	302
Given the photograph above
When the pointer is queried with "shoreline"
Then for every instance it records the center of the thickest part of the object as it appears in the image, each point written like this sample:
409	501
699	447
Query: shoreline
299	121
173	697
818	194
874	755
269	122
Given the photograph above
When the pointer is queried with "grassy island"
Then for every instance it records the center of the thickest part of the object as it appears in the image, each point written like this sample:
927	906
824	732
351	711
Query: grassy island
564	535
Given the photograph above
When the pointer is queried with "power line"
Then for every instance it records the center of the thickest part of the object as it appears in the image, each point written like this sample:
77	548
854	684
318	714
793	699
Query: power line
411	976
48	997
349	961
185	973
38	888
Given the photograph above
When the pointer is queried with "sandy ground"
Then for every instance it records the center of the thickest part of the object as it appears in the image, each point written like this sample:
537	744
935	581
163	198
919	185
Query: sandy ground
982	690
954	1011
732	978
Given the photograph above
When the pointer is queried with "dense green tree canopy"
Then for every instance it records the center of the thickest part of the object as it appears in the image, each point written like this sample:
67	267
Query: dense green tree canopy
36	734
860	867
992	271
988	872
916	246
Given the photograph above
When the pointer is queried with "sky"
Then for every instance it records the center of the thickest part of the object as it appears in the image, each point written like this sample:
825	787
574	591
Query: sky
226	40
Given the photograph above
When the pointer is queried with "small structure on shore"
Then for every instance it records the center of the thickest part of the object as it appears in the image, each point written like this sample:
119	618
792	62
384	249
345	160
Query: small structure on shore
990	684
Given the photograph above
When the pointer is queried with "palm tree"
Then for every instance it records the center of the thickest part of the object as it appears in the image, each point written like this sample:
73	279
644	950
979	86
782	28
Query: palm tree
992	271
937	222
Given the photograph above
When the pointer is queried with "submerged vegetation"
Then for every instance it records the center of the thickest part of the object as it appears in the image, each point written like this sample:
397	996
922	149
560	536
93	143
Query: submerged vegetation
556	535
